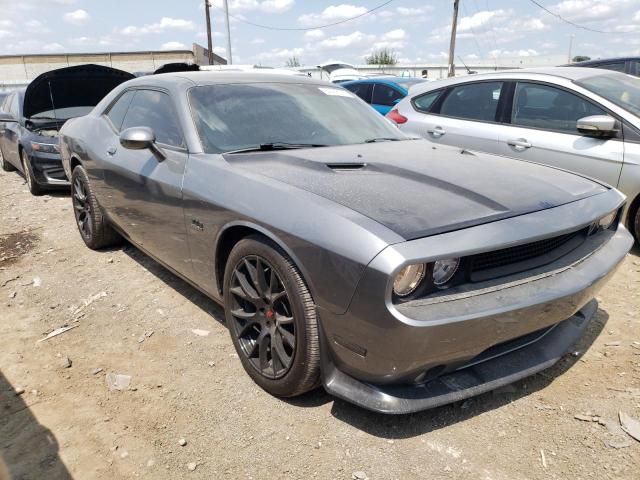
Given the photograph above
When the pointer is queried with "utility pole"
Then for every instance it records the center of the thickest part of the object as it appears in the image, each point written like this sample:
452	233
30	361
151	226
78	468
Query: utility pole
207	6
452	44
226	14
570	47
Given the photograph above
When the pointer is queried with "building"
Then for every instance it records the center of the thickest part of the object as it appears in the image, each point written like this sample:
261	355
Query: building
19	70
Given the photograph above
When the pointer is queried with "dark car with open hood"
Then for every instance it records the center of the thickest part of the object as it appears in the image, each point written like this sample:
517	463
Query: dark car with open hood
30	119
399	275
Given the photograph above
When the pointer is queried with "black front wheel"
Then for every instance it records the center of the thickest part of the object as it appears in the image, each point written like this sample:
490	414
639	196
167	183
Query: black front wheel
271	318
33	185
93	226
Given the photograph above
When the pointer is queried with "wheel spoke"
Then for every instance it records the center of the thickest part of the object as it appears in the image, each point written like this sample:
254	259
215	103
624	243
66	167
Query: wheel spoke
263	345
261	281
246	287
246	329
287	336
242	313
277	350
283	319
278	296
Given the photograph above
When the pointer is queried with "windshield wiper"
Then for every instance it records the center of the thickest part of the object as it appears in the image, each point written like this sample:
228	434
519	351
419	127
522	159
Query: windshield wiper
265	147
382	139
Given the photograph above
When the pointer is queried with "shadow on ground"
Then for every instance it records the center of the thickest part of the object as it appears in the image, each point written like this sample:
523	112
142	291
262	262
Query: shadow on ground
28	449
393	426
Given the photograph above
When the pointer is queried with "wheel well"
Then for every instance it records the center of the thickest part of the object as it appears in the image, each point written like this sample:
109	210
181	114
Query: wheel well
226	242
631	215
74	163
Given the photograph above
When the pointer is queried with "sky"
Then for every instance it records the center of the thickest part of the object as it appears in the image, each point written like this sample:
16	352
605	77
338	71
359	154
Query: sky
417	30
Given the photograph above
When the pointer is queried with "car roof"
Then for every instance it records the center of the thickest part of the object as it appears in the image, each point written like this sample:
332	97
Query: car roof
222	77
599	61
403	82
559	74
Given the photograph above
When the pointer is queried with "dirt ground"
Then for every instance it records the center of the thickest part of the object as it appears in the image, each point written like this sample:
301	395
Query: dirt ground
132	317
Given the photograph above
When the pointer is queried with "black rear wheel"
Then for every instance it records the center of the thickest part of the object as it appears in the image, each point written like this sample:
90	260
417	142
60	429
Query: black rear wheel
636	224
4	164
93	226
271	318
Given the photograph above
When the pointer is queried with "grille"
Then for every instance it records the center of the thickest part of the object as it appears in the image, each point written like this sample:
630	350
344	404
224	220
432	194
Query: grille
526	256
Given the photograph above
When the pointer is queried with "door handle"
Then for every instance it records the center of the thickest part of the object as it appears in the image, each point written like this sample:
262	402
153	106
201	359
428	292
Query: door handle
111	151
519	144
436	132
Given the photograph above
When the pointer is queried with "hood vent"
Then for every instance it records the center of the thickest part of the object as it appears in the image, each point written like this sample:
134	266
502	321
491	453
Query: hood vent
346	167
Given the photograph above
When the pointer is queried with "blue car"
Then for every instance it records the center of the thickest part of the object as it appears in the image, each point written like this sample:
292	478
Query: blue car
382	93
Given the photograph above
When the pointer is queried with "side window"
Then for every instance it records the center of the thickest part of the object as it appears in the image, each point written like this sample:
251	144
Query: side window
5	102
118	110
384	95
153	109
363	90
615	66
475	101
635	68
550	108
14	106
424	102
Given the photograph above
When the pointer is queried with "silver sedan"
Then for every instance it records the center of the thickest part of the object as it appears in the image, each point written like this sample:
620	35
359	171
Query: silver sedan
580	119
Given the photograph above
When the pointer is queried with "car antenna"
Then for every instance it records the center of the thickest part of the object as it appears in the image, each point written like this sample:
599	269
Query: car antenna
55	115
470	72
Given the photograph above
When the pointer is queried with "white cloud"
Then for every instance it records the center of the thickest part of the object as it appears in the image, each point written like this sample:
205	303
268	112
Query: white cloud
394	39
257	41
332	13
588	10
314	34
172	46
411	12
77	17
277	55
354	39
165	24
53	47
529	52
267	6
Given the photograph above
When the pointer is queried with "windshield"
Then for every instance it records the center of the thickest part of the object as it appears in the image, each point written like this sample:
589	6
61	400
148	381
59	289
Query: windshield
623	90
63	113
236	117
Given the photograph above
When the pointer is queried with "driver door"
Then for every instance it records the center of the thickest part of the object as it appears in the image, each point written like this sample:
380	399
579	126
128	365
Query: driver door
146	191
543	130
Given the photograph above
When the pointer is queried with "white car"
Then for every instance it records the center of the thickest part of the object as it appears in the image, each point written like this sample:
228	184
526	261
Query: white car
580	119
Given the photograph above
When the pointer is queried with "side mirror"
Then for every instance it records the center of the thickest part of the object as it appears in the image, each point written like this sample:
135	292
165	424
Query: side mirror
141	138
597	126
7	117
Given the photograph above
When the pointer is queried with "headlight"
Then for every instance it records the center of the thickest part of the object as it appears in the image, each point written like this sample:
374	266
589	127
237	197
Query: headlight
409	279
605	222
444	270
45	147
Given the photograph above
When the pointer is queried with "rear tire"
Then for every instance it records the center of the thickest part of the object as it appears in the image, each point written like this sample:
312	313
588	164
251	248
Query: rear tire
32	184
4	164
271	318
635	223
94	228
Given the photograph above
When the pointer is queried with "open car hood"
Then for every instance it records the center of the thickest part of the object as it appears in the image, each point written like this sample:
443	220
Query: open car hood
78	86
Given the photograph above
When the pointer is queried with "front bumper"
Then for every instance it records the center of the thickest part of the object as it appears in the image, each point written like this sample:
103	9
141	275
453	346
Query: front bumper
541	353
393	354
47	169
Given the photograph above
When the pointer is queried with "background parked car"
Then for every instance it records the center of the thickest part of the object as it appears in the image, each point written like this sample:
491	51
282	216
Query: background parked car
31	118
382	93
630	65
579	119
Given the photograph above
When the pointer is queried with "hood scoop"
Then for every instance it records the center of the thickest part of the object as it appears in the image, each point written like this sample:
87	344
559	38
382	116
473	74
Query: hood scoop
346	167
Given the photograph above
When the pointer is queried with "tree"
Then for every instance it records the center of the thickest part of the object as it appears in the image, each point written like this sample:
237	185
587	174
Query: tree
383	56
293	62
580	58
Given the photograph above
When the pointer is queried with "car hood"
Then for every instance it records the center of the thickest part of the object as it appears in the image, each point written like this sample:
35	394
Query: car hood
78	86
416	189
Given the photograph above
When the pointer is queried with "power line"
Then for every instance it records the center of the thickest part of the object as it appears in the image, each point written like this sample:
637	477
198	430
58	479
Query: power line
577	25
301	29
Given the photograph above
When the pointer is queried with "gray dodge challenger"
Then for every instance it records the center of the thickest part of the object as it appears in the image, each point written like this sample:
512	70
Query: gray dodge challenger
399	275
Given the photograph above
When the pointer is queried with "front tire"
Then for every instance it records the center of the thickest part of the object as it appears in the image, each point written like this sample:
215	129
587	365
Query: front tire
4	164
93	226
271	317
32	184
